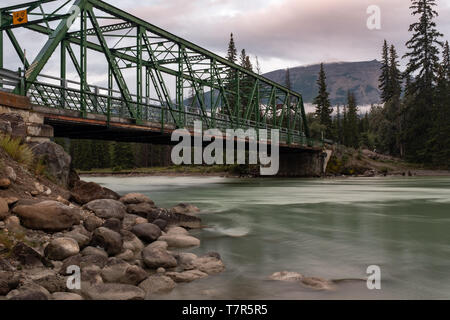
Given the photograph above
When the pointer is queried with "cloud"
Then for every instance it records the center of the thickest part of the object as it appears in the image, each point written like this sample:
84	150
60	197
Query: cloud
281	33
301	31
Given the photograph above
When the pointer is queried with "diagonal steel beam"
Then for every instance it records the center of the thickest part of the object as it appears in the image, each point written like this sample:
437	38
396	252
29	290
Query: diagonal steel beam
112	63
56	37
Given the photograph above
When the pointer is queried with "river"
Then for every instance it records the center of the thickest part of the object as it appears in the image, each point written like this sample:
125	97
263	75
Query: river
329	228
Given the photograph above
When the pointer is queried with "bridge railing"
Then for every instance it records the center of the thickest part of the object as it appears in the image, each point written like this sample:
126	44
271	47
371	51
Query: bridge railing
57	93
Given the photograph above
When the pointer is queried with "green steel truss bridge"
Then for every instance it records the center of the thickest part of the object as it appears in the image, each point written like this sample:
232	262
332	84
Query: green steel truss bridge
150	75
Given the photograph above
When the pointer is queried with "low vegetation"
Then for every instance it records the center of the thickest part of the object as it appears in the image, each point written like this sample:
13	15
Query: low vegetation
17	150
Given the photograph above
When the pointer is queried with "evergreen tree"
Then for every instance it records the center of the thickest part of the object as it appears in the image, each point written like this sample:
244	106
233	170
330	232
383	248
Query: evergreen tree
231	81
338	125
322	102
421	71
352	131
246	82
384	79
439	143
446	61
232	52
423	48
395	75
123	157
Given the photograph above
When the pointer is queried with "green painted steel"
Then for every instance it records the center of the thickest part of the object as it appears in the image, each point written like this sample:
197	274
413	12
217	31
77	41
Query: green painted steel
207	87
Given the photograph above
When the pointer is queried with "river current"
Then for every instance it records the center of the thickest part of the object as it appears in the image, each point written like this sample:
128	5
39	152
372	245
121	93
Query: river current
328	228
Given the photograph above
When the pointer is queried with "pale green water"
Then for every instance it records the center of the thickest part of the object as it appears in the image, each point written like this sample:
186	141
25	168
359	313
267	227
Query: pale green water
324	228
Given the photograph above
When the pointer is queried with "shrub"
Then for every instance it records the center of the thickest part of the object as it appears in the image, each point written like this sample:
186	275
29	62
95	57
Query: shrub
17	150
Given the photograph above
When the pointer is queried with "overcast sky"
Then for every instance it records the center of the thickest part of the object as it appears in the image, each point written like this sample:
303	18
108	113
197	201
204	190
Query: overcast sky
284	33
287	32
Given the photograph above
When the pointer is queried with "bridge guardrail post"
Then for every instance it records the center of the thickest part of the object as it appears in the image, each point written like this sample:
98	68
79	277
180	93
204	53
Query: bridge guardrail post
64	94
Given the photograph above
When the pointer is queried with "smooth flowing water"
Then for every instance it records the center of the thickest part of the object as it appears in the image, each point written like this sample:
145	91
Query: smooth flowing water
332	229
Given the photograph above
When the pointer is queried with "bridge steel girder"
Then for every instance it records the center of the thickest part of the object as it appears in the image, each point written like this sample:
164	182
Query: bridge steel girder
244	97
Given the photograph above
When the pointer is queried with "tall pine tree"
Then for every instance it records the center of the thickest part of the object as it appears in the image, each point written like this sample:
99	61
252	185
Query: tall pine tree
384	80
322	102
352	128
422	69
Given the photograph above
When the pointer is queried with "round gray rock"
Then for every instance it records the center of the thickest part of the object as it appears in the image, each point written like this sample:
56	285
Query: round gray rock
148	232
107	239
61	248
155	258
107	208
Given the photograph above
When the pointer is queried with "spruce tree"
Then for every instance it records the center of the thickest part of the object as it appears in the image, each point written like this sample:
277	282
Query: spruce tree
338	126
123	157
395	75
231	81
446	61
422	69
439	142
423	47
384	80
232	52
352	121
322	102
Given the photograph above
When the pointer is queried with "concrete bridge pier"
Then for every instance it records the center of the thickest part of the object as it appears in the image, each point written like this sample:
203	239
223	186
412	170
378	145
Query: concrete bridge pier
303	163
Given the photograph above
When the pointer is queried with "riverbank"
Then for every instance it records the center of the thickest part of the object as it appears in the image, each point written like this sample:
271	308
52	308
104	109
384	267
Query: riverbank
67	239
344	162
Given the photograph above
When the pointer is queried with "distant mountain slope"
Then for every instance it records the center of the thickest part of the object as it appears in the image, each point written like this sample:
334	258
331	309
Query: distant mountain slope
359	77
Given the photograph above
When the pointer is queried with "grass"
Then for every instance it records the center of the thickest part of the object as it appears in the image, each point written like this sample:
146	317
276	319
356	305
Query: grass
16	149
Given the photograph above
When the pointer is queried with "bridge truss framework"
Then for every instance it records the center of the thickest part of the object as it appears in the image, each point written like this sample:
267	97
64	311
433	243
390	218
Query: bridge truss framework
221	94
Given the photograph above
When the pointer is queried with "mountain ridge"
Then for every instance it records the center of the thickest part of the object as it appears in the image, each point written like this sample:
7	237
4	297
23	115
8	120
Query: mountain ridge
360	77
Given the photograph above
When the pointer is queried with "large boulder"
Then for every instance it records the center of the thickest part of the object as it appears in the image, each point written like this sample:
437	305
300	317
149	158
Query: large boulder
114	224
82	239
84	262
118	271
130	220
185	208
147	231
29	291
184	260
132	243
107	208
112	291
140	209
93	222
88	251
135	198
157	284
84	192
48	216
155	258
208	264
107	239
180	241
56	160
50	280
172	218
61	248
8	281
28	257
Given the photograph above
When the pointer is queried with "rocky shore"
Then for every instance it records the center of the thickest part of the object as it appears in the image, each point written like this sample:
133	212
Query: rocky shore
65	239
126	248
